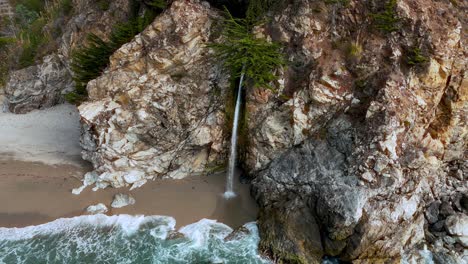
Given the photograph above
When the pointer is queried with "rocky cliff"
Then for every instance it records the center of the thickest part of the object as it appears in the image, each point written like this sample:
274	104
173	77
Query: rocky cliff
158	110
360	151
44	84
365	145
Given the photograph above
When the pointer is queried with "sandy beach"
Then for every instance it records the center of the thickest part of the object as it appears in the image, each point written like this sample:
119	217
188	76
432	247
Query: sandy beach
50	136
35	193
40	164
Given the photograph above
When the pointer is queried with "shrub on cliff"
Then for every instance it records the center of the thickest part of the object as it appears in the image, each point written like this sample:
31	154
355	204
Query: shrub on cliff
258	8
339	2
37	28
5	45
387	20
90	60
415	57
241	51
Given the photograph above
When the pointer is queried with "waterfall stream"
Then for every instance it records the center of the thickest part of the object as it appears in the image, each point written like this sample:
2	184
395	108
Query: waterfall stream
233	155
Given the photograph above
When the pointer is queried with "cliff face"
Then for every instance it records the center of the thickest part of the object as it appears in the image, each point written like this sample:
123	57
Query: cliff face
44	84
360	153
157	111
360	140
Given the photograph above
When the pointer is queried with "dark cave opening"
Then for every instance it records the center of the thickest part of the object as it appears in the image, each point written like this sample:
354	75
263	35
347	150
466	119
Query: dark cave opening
237	8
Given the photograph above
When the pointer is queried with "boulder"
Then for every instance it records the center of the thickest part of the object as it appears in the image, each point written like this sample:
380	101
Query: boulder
122	200
432	212
38	87
457	225
158	110
97	209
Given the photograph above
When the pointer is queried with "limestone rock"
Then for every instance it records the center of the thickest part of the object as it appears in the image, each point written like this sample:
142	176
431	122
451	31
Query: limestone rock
157	111
237	234
122	200
89	179
38	87
97	209
446	209
457	225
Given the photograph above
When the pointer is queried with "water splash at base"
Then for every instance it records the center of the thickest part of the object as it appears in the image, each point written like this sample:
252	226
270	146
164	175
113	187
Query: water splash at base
229	195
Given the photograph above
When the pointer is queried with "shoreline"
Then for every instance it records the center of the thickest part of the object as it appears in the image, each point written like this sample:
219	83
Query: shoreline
35	193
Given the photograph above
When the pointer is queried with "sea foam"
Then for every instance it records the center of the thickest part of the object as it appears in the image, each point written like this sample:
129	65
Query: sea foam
128	239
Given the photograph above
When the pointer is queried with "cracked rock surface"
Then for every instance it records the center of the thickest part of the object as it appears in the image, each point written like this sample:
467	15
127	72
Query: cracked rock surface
371	150
158	109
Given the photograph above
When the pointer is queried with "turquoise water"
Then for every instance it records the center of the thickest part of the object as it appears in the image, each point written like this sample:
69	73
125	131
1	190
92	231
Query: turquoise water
128	239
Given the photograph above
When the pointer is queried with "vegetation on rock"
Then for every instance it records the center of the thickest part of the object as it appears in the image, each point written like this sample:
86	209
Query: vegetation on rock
414	57
37	27
90	60
341	2
387	20
241	51
257	10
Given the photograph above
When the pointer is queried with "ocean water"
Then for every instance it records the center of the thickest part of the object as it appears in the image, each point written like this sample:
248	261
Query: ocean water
128	239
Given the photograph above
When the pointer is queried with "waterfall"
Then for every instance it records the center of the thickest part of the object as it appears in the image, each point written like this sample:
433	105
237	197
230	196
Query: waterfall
232	156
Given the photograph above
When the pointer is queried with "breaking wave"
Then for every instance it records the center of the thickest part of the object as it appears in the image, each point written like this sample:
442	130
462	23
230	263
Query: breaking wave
129	239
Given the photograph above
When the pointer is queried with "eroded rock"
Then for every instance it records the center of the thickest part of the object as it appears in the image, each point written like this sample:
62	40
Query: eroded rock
38	87
457	225
158	110
365	143
122	200
97	209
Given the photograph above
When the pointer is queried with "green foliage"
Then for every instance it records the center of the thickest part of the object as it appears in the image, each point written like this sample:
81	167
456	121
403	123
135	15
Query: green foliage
257	10
76	96
5	41
354	50
67	6
57	9
340	2
33	5
387	20
90	60
242	51
37	27
32	38
103	4
415	57
5	45
157	4
24	16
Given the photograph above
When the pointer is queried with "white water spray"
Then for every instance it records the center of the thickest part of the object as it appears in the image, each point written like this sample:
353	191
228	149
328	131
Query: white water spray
232	156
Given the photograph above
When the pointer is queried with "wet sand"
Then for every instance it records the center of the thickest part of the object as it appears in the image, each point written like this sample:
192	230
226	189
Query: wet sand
35	193
40	163
49	136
